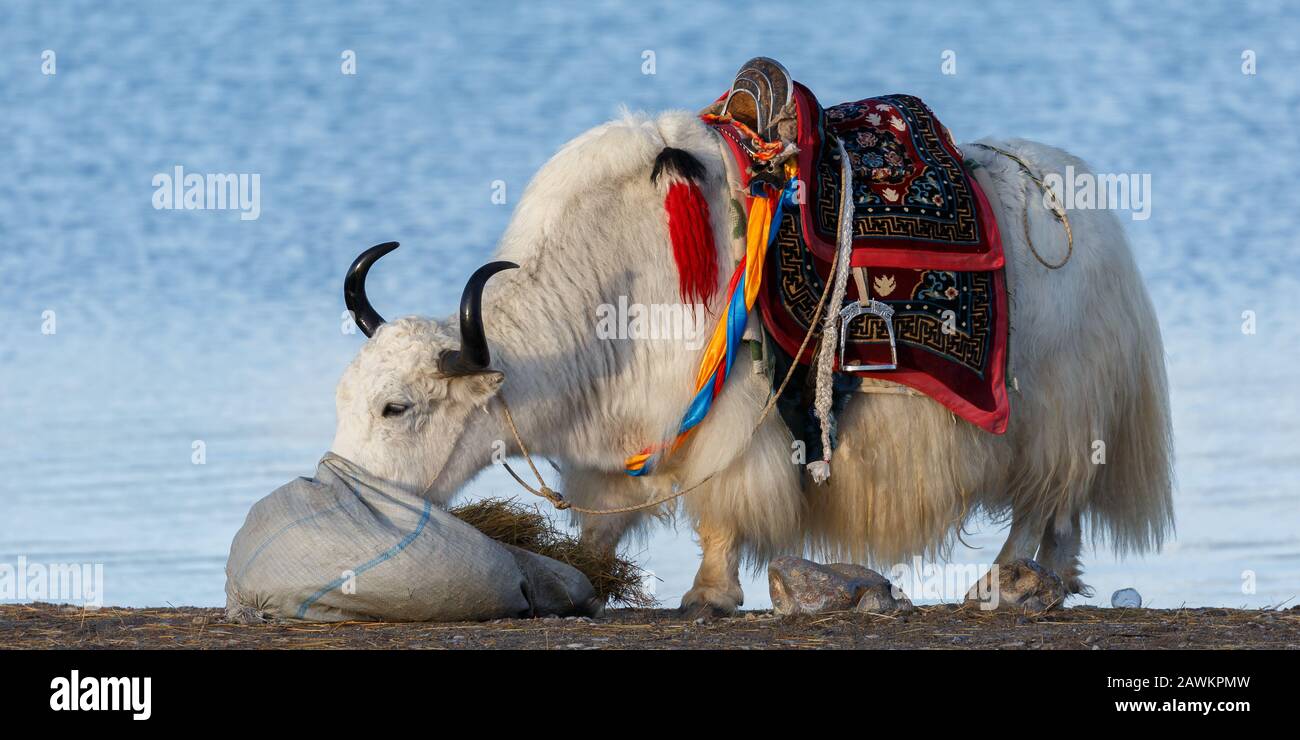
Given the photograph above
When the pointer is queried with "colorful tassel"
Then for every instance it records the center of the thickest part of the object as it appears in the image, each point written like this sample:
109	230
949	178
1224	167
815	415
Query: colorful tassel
692	237
689	226
720	354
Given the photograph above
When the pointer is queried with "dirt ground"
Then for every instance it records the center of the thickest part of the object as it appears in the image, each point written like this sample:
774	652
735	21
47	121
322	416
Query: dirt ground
46	626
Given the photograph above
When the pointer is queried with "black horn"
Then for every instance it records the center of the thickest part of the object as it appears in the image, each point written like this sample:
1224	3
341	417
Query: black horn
354	288
473	355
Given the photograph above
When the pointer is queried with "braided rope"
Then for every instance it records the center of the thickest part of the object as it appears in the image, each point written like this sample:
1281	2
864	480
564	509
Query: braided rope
823	398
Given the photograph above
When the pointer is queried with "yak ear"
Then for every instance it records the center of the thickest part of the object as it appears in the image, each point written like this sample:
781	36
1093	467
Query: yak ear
689	226
478	388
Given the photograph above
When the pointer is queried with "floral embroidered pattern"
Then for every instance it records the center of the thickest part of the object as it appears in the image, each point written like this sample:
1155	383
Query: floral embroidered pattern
925	236
908	182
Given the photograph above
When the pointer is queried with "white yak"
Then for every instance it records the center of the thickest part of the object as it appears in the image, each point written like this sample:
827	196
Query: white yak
417	408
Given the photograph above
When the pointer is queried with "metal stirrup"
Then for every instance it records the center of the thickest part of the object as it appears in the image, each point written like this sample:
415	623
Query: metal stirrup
866	305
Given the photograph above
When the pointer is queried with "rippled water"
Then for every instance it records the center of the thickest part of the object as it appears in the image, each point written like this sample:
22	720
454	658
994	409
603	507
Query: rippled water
176	326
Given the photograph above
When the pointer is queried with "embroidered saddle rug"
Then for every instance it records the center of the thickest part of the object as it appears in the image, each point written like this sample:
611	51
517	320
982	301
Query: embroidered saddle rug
922	229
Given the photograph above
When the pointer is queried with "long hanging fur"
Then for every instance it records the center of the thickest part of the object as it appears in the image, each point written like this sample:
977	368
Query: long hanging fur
1087	354
1085	350
688	224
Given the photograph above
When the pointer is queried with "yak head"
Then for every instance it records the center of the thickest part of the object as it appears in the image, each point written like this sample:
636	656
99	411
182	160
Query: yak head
415	383
621	211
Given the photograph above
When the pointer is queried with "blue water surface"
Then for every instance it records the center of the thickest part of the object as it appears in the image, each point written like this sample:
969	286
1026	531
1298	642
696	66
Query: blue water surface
179	326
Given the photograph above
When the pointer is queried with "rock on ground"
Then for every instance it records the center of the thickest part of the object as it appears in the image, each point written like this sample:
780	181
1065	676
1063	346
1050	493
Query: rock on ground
800	586
1126	598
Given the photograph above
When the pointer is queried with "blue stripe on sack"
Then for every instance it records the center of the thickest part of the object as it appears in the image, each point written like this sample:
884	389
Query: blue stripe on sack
280	531
381	558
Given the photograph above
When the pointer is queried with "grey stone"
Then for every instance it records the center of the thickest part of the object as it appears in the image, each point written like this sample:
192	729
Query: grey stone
800	586
1022	585
1126	598
883	598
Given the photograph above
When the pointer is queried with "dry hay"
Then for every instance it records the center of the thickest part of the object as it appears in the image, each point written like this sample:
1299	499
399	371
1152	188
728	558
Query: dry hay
615	580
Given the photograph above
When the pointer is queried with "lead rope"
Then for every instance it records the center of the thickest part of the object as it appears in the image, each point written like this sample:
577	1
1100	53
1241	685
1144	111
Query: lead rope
557	499
1056	208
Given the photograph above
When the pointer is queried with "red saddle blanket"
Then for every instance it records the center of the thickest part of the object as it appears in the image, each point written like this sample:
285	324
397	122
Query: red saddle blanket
927	236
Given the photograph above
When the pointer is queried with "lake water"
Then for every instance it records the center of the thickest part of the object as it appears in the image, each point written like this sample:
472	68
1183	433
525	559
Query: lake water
181	326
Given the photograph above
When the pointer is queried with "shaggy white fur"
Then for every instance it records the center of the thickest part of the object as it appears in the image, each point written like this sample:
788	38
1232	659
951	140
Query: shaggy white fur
1085	348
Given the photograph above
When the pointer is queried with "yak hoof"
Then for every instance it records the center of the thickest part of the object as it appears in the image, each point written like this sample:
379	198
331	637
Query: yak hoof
1021	585
708	603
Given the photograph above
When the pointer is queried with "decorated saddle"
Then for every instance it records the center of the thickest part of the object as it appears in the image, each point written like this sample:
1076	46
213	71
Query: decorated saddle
927	306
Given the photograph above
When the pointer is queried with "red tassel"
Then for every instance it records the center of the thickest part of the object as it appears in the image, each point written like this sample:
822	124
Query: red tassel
693	247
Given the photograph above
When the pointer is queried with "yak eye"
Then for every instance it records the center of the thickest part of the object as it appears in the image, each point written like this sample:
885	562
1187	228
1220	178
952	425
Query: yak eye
396	409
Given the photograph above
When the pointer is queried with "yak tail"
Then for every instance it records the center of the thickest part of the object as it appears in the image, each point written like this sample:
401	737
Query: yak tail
1097	372
1131	501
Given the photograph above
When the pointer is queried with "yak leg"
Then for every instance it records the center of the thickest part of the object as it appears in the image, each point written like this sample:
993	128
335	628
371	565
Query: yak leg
1022	544
1059	553
1022	541
1056	544
716	592
752	509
